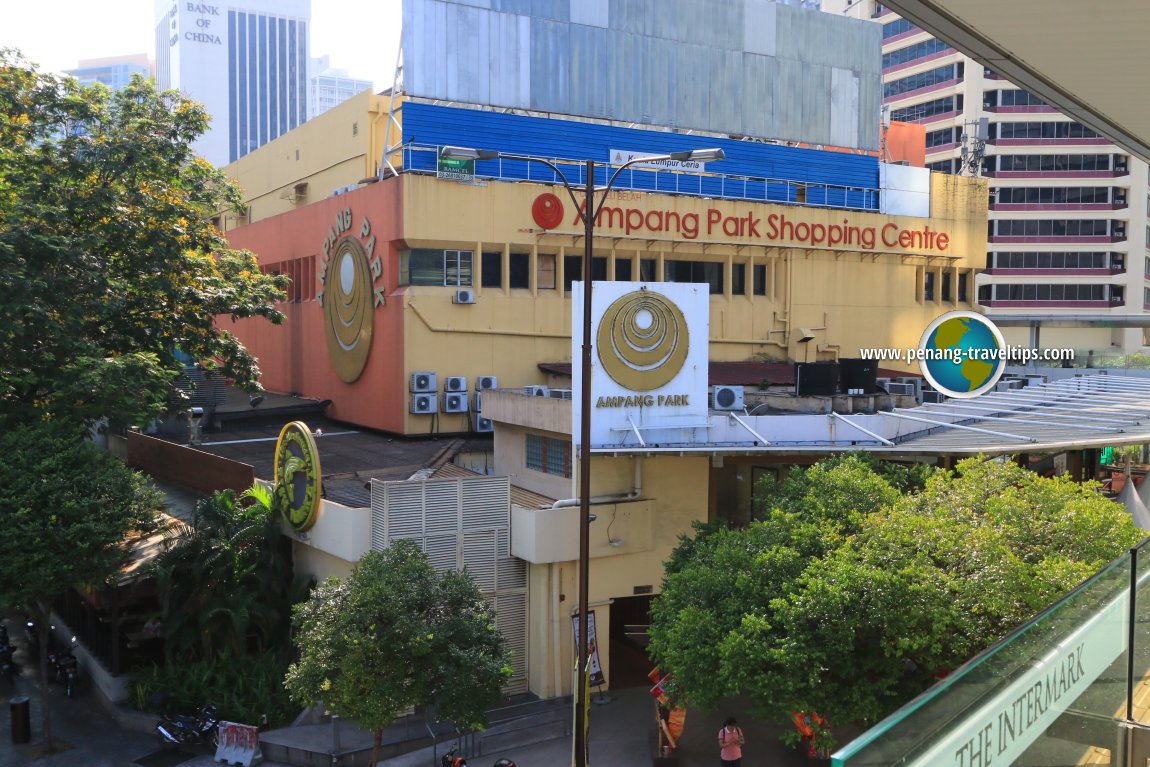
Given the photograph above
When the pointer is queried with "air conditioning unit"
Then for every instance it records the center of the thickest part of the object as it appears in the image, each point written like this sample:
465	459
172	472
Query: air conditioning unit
931	397
483	424
727	397
559	394
478	401
486	382
423	403
882	382
535	390
423	382
464	296
455	383
900	388
1036	380
455	402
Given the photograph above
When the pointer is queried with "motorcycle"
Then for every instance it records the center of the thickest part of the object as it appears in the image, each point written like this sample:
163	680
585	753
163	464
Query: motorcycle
202	729
451	760
67	670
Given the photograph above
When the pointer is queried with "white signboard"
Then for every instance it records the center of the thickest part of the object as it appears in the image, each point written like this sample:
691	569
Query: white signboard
1003	728
648	362
620	156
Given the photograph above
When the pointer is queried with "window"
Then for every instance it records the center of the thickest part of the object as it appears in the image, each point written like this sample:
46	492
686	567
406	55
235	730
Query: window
301	271
738	279
896	27
943	166
760	276
1044	260
1046	195
964	287
545	271
941	137
420	266
946	280
1042	130
1023	292
1052	228
928	286
647	270
549	455
1073	163
492	270
519	270
623	270
573	270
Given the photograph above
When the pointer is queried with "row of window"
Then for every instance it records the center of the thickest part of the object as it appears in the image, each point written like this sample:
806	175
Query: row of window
302	274
948	285
927	109
944	166
1011	98
1049	130
1044	260
1055	228
453	268
922	80
1051	162
1058	195
941	137
896	27
1053	292
914	52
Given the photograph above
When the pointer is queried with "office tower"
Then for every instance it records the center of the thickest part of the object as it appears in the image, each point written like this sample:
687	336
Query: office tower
246	63
327	87
113	71
1068	209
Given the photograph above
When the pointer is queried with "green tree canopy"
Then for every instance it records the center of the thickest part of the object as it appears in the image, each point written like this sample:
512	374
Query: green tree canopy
851	597
395	635
111	265
68	509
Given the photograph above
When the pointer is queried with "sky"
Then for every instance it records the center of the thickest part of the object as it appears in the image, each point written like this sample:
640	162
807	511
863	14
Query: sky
361	36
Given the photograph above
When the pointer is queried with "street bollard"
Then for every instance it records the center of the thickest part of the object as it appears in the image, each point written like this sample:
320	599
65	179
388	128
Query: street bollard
20	709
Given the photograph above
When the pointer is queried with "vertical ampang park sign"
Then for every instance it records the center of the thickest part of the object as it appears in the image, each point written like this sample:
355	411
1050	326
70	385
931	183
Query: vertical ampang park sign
648	362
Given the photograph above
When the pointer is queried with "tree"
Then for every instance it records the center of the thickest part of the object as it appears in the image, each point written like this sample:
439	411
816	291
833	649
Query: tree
852	601
396	635
112	268
68	510
226	582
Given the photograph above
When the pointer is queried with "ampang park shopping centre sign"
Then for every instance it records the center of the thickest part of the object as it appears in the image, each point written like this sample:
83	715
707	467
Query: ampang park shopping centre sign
779	228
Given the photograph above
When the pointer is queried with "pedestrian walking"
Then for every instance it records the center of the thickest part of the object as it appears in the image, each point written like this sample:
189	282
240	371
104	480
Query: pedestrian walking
731	742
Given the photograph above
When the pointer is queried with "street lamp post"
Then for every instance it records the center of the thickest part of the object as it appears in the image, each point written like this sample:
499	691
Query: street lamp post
589	214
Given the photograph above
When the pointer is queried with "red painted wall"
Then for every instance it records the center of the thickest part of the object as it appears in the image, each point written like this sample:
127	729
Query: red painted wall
293	357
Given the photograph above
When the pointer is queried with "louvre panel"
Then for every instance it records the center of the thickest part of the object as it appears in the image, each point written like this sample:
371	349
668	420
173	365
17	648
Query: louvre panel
378	518
512	573
486	502
442	551
442	505
503	543
511	621
404	510
479	557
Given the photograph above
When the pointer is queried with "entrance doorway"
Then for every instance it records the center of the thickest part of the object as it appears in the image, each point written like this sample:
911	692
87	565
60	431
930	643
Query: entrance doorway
630	619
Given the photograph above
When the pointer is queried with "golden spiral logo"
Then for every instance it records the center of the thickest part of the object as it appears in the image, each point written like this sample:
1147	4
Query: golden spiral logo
642	341
297	490
347	314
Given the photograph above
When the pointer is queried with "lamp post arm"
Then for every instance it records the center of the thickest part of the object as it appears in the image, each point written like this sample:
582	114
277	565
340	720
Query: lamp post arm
604	191
558	172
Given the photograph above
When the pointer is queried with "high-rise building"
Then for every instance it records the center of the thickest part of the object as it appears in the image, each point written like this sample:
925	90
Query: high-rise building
113	71
327	87
1068	209
247	63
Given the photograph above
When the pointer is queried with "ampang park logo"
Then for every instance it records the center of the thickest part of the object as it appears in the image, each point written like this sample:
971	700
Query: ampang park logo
548	213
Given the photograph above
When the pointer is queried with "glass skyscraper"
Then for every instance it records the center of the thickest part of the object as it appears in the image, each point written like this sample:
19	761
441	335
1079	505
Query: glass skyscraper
247	65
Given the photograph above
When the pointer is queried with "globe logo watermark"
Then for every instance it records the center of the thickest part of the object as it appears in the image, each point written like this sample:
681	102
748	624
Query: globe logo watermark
962	354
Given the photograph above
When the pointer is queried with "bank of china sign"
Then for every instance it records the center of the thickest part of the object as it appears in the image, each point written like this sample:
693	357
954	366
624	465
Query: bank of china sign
648	362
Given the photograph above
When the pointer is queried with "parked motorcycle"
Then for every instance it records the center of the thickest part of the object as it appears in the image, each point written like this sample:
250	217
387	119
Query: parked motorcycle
203	729
67	670
451	760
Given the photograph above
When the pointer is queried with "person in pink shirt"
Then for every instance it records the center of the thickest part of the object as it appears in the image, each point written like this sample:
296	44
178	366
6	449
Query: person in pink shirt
730	742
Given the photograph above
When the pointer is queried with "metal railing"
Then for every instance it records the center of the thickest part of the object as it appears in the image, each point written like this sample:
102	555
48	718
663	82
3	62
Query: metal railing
421	158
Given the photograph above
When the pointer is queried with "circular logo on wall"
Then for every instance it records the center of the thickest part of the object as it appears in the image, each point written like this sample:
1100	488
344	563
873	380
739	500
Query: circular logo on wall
962	354
297	476
642	340
347	310
547	210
